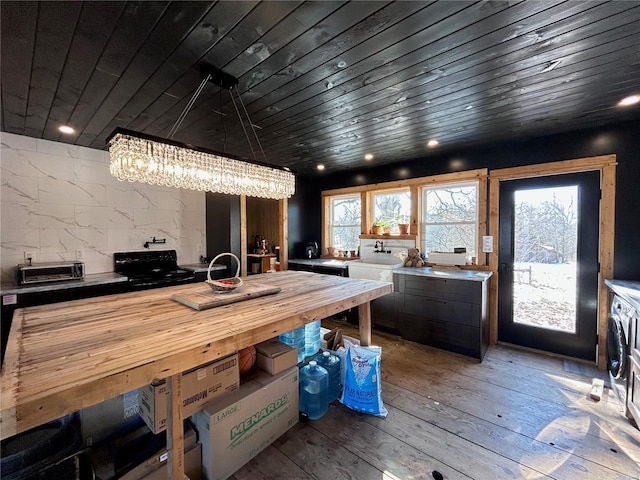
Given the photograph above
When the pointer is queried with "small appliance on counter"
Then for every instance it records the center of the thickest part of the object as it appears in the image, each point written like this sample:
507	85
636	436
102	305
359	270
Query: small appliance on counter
311	250
49	272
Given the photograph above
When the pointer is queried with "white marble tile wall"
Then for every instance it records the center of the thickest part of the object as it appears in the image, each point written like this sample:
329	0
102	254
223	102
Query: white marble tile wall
397	247
57	198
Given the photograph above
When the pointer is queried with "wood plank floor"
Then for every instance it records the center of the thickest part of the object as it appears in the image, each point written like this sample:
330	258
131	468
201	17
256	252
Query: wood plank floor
516	415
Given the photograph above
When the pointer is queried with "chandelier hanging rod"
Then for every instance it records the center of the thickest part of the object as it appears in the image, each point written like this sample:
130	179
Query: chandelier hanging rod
140	157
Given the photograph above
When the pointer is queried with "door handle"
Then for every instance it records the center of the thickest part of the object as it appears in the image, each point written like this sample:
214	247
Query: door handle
504	268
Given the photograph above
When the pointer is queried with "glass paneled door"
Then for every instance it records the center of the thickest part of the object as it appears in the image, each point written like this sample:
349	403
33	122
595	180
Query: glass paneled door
548	263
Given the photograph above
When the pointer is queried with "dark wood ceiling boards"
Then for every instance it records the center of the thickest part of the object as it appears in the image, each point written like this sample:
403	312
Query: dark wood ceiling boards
324	82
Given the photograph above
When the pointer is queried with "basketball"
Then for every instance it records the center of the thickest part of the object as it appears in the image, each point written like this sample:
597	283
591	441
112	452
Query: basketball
246	359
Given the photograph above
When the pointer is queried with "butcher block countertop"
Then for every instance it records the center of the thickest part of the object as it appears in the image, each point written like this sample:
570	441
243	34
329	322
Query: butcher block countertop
66	356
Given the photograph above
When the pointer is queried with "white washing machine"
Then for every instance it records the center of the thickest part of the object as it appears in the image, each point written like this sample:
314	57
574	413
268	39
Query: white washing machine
618	354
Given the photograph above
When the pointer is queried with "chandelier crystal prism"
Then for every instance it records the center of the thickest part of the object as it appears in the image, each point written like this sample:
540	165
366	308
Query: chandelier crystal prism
138	157
156	161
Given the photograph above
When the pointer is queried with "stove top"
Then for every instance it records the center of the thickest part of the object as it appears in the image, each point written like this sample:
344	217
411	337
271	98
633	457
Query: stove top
151	269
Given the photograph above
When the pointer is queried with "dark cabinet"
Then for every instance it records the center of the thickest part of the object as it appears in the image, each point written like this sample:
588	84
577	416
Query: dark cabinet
384	312
446	313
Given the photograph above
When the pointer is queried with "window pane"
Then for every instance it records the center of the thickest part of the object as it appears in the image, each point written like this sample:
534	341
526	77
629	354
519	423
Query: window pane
346	211
451	204
345	222
346	238
444	238
450	218
392	208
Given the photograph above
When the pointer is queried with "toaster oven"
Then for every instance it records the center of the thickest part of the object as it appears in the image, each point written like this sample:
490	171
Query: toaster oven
50	272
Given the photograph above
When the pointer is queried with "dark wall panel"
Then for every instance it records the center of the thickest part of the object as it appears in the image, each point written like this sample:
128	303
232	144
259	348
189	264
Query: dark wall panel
305	216
622	139
223	226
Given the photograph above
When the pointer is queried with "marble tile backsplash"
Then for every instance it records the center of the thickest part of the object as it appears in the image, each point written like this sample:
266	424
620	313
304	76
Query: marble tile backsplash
57	198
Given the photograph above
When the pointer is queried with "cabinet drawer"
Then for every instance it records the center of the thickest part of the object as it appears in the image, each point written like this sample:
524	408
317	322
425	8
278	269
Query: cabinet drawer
453	337
440	288
442	310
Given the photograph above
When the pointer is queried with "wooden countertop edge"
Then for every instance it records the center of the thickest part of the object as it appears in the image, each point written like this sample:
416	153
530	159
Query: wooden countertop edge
18	415
9	377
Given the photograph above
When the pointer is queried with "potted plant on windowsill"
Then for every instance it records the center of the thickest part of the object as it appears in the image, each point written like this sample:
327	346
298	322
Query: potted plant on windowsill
403	228
376	228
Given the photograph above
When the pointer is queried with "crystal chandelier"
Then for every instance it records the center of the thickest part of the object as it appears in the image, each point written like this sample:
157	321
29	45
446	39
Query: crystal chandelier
138	157
142	158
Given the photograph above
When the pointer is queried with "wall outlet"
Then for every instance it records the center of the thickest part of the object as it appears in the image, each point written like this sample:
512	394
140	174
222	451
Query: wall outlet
79	254
29	256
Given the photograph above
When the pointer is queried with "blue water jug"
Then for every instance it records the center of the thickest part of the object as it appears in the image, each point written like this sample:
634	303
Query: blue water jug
314	386
296	339
331	363
312	338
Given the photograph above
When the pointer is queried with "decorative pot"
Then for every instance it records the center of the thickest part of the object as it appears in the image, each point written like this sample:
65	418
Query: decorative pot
386	231
403	228
331	251
375	230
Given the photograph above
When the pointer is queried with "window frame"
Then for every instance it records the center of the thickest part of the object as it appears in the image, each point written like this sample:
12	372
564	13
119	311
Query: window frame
387	191
328	242
414	184
440	186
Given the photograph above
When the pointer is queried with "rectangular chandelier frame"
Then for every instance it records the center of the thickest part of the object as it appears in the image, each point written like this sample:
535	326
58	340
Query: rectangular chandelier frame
139	157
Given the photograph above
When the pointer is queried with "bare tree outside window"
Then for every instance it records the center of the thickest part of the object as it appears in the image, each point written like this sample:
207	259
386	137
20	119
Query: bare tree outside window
545	247
390	209
450	218
346	215
547	231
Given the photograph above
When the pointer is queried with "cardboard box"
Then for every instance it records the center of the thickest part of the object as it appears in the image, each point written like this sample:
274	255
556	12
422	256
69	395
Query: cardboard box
109	419
128	456
154	467
275	356
235	428
199	386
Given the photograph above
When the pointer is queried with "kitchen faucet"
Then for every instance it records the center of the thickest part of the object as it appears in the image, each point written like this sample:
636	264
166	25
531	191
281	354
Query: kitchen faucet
379	247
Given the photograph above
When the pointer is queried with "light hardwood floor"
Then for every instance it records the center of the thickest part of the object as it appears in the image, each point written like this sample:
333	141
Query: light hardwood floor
516	415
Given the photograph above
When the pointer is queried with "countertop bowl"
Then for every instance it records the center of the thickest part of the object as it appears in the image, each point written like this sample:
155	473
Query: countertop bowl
224	285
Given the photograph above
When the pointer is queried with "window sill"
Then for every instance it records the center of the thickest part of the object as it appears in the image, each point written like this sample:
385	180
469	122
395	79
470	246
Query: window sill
391	235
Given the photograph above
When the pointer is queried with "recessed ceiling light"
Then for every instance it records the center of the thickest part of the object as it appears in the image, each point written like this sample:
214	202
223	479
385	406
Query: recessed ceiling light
630	100
320	166
368	156
66	129
432	143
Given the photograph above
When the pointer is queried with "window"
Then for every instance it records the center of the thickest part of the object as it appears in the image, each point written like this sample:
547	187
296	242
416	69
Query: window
346	215
391	208
450	217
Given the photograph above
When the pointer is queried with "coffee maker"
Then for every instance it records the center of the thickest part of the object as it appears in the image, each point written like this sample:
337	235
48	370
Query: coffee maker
311	250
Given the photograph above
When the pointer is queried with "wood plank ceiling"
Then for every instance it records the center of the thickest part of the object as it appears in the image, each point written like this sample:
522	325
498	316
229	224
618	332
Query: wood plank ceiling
324	82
